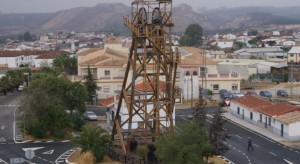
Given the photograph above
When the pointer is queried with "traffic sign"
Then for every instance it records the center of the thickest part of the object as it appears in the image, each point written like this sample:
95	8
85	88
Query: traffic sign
227	102
29	154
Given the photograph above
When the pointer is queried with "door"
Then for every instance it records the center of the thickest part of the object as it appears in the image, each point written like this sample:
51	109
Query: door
266	122
281	130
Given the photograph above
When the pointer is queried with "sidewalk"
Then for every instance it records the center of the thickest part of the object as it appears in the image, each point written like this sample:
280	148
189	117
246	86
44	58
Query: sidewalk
261	131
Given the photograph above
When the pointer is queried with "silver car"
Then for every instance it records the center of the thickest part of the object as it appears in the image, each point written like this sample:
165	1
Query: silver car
89	115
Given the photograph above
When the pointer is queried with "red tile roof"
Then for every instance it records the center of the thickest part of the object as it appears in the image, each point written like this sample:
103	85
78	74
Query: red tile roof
278	109
19	53
108	102
51	54
262	106
148	87
252	102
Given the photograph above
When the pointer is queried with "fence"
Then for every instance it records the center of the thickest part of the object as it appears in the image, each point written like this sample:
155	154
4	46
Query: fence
273	77
129	158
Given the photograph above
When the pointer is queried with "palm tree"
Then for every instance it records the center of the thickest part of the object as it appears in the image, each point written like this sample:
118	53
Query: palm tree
94	139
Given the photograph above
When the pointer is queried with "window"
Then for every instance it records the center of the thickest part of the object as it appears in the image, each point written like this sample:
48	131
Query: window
107	72
238	110
269	121
260	117
216	87
251	116
106	88
291	55
234	87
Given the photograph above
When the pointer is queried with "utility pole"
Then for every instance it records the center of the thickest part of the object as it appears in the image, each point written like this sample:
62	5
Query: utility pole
192	91
292	79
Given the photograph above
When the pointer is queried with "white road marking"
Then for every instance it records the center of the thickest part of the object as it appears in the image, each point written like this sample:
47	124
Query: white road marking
209	115
32	148
49	152
2	139
209	121
288	161
255	145
273	154
297	152
238	136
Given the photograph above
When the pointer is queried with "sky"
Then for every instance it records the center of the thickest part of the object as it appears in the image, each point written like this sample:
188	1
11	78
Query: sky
44	6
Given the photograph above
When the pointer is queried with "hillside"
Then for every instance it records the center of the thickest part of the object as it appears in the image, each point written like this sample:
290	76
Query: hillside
109	17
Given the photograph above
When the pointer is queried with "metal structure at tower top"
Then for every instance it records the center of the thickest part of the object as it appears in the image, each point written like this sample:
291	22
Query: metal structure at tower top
152	63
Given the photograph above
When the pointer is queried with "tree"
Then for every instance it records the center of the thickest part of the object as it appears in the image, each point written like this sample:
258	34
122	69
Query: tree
192	36
65	63
89	83
217	134
94	139
4	84
199	111
15	77
271	43
27	37
46	102
187	146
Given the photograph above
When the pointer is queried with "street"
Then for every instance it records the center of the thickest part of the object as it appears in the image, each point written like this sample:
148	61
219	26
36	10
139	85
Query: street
266	151
45	152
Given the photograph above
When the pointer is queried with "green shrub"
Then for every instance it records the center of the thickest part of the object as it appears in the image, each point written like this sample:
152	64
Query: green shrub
59	133
37	130
77	123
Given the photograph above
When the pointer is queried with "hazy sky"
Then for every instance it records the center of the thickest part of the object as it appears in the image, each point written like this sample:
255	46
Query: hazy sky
25	6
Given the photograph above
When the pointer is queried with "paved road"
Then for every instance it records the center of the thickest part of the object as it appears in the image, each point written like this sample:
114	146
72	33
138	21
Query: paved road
8	105
266	151
46	152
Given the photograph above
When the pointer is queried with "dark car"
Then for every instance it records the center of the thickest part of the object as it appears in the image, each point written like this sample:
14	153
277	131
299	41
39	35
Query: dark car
252	93
265	94
221	91
282	93
226	95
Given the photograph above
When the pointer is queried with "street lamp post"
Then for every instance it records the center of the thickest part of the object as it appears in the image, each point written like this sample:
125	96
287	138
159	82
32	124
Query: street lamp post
27	74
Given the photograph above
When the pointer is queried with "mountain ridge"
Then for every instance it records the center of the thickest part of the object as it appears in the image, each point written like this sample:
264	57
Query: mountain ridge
109	17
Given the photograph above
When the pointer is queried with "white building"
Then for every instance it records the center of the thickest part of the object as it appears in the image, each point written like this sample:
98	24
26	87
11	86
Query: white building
14	59
112	103
281	119
229	36
225	43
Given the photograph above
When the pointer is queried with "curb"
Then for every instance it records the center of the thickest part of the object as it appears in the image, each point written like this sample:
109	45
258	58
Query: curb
225	159
46	141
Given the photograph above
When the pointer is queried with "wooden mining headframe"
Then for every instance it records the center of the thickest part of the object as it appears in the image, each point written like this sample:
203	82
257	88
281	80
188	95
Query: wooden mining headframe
153	63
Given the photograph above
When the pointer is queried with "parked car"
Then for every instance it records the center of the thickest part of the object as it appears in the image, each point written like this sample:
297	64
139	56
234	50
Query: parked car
90	115
282	93
20	88
221	91
237	94
265	94
225	95
251	92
